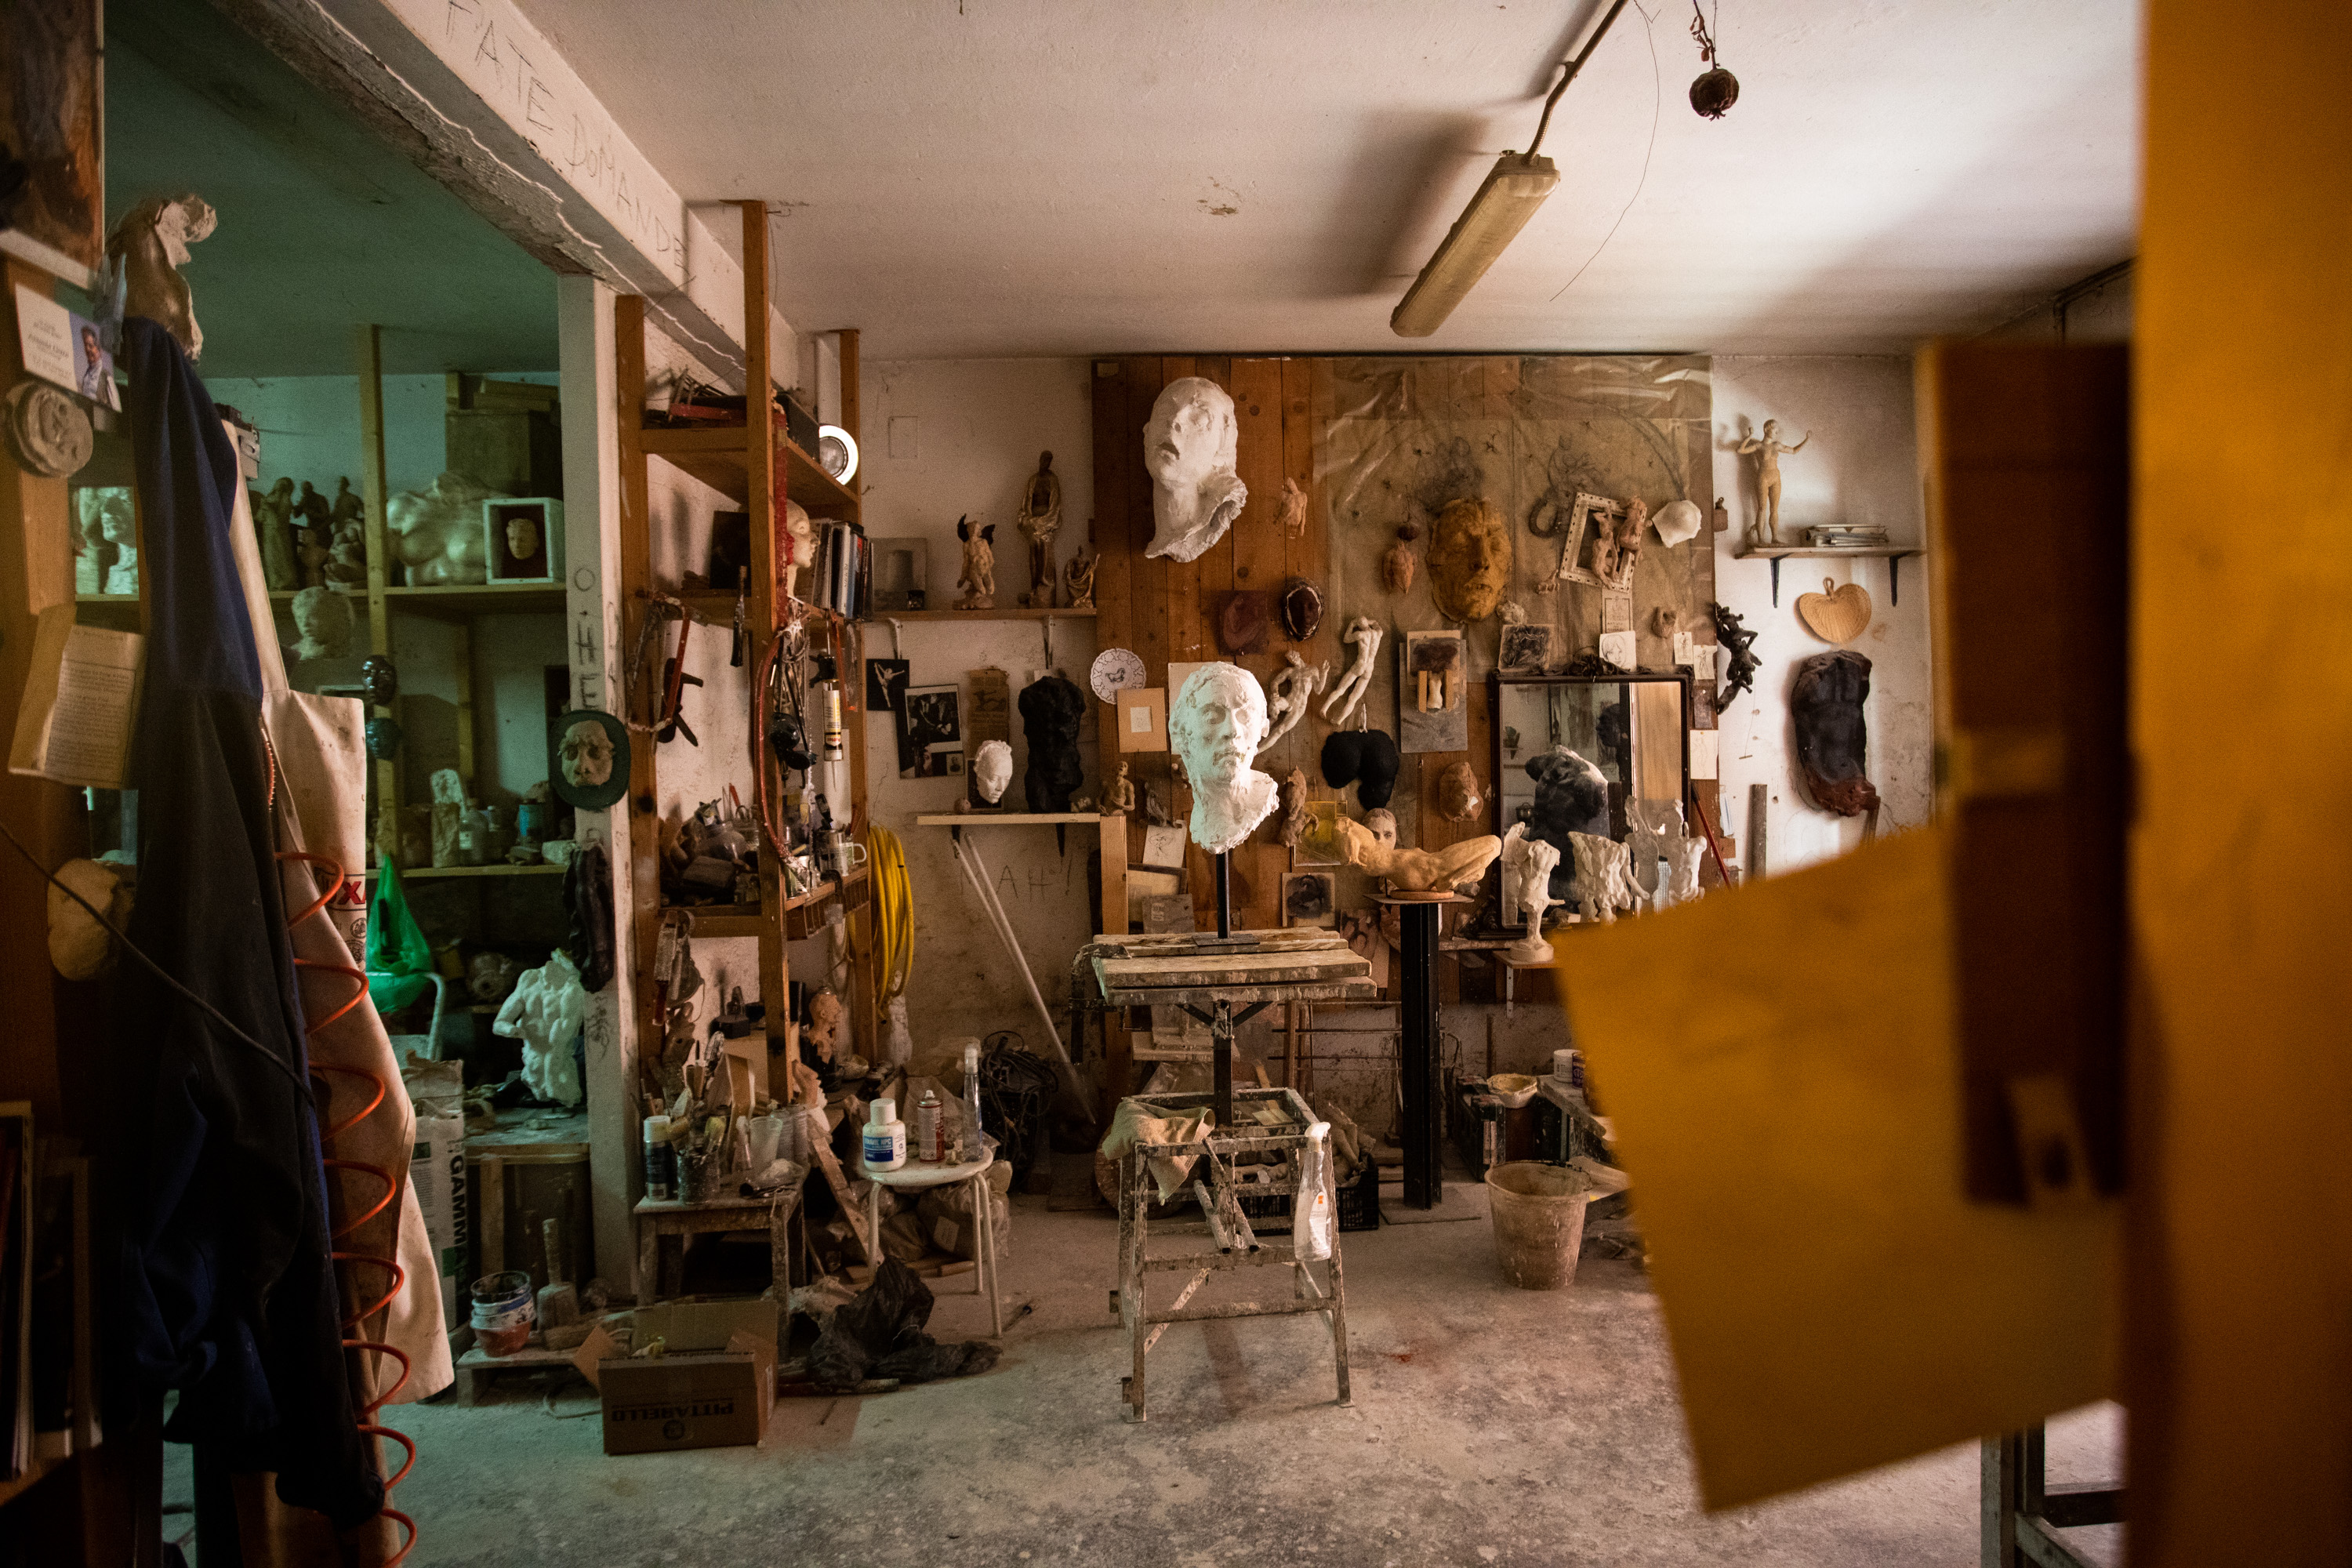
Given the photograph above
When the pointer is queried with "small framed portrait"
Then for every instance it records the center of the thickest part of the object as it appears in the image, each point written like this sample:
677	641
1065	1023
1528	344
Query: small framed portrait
522	539
1309	899
930	732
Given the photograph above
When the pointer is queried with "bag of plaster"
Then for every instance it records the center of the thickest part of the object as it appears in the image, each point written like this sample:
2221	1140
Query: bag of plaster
946	1214
1311	1212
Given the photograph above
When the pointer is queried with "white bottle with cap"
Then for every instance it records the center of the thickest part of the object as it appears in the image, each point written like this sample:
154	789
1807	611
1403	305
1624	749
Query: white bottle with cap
885	1136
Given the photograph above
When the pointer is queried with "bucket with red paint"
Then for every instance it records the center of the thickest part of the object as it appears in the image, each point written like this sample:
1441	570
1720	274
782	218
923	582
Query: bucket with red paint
504	1310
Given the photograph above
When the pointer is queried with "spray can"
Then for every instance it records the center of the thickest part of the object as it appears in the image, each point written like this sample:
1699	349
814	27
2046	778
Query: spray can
930	1140
661	1161
885	1137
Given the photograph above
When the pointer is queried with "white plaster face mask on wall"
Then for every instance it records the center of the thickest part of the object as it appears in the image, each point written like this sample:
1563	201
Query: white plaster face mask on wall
991	770
1215	724
1190	445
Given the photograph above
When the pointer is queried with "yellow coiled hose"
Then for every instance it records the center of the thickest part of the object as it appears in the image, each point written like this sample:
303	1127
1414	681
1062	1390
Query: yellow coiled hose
893	913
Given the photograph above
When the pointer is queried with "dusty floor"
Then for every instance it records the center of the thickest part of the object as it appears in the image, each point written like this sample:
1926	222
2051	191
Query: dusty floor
1490	1425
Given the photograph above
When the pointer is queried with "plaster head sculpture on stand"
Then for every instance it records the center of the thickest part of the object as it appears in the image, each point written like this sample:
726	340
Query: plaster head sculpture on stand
150	244
323	617
1190	445
1215	725
991	770
1527	866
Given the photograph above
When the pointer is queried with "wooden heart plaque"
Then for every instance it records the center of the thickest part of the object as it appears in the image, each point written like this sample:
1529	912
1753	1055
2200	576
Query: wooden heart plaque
1836	614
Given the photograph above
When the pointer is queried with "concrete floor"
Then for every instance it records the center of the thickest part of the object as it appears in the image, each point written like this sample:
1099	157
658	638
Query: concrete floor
1490	1425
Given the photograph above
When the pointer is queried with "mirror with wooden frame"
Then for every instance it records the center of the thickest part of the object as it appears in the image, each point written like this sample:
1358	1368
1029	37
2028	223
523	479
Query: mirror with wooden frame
1634	729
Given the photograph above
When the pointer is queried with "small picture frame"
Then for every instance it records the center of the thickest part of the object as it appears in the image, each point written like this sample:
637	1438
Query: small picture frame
1143	719
1309	899
522	539
930	732
1526	649
1586	520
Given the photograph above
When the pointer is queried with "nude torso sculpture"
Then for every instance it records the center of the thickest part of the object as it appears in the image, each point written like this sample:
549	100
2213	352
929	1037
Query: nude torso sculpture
1768	476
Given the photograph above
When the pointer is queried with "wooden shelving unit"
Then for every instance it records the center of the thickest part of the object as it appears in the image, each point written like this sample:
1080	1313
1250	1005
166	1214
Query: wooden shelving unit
1893	554
756	467
1011	614
424	872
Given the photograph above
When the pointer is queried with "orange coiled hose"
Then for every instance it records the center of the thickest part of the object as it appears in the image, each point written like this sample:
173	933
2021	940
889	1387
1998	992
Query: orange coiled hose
368	1425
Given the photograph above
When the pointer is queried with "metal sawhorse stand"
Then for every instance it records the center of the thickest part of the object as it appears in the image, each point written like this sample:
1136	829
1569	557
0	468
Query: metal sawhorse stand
2023	1515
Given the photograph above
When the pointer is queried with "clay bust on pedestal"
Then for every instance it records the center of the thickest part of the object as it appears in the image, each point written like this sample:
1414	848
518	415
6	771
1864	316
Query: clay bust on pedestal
1215	725
1191	446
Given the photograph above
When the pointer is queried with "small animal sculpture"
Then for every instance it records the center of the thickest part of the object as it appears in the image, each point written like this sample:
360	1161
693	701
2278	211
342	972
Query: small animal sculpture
979	579
1419	870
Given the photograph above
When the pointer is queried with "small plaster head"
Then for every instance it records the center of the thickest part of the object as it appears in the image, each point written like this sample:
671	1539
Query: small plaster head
1191	446
323	617
1469	559
522	538
587	754
991	770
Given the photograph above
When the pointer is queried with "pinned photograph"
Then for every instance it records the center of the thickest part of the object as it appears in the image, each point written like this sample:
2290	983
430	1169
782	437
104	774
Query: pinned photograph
930	734
1307	899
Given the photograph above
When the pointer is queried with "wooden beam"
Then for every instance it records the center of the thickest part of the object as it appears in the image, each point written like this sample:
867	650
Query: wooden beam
367	352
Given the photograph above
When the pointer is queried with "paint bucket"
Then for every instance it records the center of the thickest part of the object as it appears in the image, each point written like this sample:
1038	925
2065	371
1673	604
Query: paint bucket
503	1311
1538	1213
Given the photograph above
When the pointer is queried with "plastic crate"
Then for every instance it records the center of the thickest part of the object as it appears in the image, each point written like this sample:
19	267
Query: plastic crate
1360	1200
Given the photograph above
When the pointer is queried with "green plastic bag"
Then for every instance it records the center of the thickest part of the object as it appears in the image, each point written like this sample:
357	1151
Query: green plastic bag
399	959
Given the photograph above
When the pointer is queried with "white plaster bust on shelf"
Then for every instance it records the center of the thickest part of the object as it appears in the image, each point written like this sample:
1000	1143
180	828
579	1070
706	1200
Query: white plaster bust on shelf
1215	725
991	770
1190	445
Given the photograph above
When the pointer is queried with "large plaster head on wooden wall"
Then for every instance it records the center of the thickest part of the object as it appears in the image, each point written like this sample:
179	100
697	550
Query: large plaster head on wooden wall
1190	446
1469	559
1216	724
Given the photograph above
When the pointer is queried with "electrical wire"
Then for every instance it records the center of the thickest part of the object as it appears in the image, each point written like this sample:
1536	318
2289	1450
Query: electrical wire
1571	67
894	912
1656	99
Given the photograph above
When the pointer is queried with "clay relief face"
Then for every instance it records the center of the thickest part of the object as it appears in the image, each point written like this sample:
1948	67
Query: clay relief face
522	538
1189	446
1469	559
587	754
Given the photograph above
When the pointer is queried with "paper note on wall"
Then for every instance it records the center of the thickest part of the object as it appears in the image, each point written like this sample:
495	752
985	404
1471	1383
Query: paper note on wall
1781	1065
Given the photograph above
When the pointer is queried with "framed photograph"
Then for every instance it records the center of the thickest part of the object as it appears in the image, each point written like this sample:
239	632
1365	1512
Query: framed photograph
1525	651
1308	899
1142	718
886	684
930	734
62	347
522	539
1590	523
1320	845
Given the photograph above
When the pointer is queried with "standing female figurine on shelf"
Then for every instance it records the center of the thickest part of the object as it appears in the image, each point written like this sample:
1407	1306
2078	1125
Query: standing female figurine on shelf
1040	520
1767	477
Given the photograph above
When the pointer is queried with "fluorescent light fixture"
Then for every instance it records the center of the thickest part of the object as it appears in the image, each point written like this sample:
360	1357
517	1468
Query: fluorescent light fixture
1513	190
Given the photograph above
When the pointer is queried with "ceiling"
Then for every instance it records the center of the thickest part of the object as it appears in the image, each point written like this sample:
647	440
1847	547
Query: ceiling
322	226
966	178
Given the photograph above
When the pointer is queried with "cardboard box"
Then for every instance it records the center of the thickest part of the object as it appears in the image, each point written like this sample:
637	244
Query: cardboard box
714	1386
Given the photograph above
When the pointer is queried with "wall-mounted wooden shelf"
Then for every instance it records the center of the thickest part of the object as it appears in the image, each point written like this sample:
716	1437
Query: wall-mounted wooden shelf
1009	818
720	922
716	458
1893	554
479	598
1015	615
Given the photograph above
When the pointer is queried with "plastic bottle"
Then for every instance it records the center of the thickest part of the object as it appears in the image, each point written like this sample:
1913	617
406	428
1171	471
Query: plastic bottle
661	1161
973	1146
885	1136
929	1144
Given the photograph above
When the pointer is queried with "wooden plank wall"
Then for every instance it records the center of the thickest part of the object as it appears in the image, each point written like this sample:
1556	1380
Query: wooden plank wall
1169	612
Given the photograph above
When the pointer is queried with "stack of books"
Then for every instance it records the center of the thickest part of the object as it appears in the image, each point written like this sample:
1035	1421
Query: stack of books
1845	535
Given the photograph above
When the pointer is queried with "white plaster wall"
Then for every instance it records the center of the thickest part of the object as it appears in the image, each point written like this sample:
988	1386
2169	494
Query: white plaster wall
977	427
1860	467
